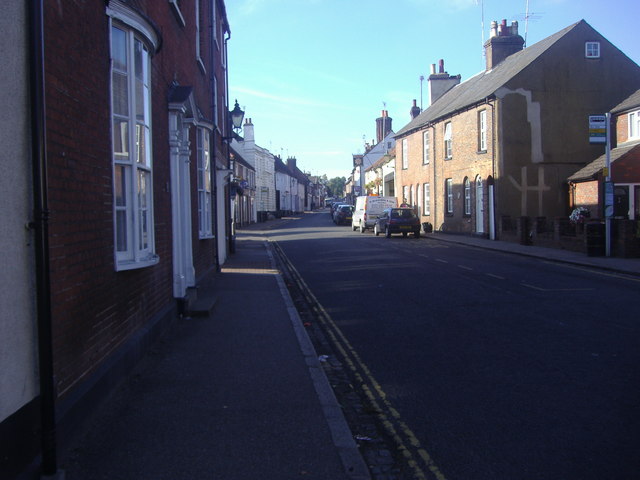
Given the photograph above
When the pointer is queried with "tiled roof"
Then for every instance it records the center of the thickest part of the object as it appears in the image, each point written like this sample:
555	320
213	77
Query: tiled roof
482	85
592	170
633	101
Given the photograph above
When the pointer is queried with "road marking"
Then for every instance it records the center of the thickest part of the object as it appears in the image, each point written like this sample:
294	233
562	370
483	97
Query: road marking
464	267
598	272
540	289
404	438
441	261
495	276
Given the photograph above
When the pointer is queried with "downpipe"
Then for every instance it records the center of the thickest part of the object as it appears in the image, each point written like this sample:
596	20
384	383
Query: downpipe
49	464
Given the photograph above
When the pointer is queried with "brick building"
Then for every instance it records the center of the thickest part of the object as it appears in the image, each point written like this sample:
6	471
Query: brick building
587	187
500	145
136	209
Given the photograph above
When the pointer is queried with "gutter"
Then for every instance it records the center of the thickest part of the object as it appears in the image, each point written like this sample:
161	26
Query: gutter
213	173
40	224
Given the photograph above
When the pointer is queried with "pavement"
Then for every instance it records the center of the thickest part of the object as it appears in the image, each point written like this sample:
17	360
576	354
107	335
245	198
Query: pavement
242	394
237	395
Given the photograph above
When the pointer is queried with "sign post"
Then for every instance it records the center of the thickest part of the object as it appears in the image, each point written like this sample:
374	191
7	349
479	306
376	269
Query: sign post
608	207
600	133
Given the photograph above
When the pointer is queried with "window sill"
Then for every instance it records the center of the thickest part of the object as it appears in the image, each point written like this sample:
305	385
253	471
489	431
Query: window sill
481	152
201	65
133	265
206	237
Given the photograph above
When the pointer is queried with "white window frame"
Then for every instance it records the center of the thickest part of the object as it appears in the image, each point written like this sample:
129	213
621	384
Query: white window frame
405	154
592	49
426	147
175	7
427	199
467	196
448	136
634	125
216	119
199	60
132	156
448	189
205	206
482	130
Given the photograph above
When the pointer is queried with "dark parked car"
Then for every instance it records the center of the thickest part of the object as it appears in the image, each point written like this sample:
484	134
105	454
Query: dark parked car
333	207
343	214
397	220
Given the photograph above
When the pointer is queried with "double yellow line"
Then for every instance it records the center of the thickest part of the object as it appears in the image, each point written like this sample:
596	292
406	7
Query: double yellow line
406	443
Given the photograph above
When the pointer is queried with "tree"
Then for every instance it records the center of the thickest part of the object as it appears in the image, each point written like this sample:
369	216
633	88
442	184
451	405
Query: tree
335	186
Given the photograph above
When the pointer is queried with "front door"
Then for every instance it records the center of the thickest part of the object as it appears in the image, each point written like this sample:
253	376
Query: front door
479	206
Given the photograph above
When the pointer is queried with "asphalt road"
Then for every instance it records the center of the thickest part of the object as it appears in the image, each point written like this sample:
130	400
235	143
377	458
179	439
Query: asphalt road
501	366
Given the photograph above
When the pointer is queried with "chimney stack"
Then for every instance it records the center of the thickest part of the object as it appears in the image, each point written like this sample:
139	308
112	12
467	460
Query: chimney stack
441	82
415	110
503	41
383	125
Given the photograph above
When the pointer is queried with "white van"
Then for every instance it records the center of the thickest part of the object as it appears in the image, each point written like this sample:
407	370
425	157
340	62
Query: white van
368	209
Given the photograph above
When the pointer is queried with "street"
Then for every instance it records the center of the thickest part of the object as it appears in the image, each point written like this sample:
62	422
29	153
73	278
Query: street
489	365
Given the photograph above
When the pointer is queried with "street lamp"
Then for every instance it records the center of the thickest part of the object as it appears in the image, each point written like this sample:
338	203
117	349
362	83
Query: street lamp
237	115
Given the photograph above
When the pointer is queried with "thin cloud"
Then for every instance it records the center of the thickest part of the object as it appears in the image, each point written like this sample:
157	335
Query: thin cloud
282	100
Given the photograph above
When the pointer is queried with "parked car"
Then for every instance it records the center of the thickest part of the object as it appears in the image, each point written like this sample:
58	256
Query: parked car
343	214
397	220
333	207
368	208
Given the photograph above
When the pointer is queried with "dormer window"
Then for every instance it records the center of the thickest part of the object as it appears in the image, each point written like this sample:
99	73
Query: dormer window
592	49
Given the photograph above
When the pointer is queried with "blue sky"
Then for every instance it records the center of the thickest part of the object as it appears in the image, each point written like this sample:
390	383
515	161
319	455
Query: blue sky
313	75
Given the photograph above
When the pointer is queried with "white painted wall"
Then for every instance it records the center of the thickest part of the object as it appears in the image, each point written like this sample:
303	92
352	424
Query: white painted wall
18	344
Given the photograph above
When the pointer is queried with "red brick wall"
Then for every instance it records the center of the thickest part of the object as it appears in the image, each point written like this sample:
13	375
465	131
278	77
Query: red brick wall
466	162
95	308
586	195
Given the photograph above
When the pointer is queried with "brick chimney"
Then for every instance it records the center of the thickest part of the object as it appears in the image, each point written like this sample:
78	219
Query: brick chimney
291	163
383	125
441	82
503	41
415	110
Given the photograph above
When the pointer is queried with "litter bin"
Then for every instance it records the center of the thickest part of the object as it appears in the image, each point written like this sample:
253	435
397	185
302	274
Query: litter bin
427	227
595	239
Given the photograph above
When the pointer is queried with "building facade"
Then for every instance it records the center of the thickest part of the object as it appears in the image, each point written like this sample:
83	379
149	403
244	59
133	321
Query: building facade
500	145
134	209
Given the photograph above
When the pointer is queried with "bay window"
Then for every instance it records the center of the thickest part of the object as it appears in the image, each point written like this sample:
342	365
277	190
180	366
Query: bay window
131	148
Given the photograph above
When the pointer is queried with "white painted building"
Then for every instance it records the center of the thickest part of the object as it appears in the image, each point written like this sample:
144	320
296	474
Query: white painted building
264	162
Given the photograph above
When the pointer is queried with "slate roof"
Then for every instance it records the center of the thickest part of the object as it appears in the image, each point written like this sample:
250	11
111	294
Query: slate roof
633	101
591	171
280	166
238	158
482	85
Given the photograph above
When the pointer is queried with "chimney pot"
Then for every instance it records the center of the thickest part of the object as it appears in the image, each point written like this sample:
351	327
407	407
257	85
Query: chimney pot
433	69
441	66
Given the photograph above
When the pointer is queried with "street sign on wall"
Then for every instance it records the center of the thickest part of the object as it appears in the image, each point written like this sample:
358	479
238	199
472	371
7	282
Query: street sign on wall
598	129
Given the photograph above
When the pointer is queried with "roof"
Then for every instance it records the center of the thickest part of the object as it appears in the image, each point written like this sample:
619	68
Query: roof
591	171
238	158
280	166
484	84
631	102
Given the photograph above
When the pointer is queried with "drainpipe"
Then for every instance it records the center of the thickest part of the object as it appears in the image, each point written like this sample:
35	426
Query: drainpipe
492	205
40	225
213	173
435	176
227	122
